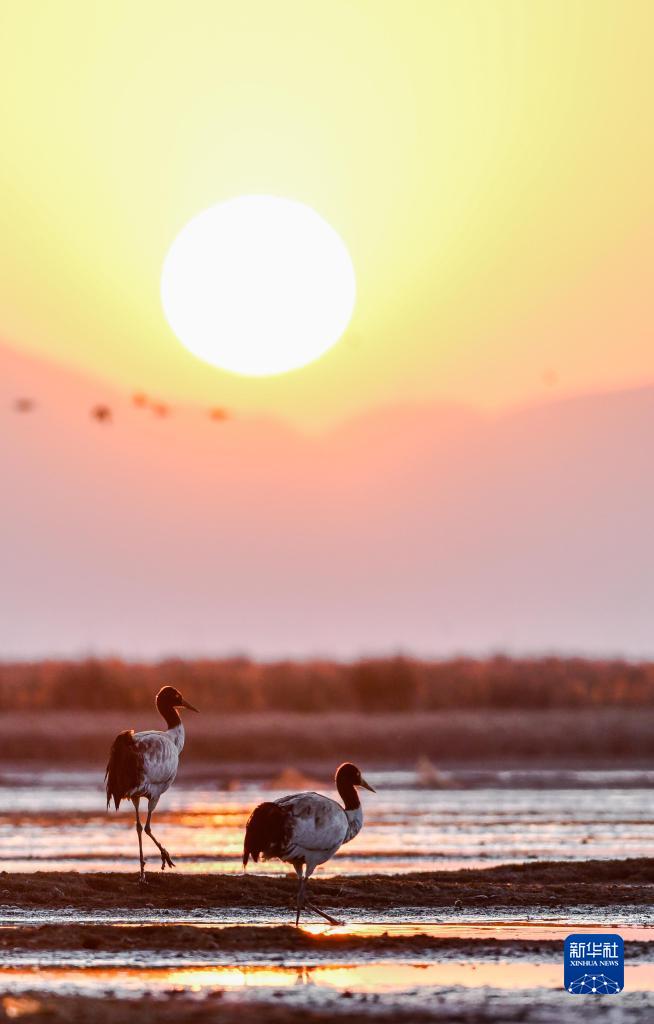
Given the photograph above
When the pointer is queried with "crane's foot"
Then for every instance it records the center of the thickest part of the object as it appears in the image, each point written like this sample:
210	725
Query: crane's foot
166	860
327	917
142	879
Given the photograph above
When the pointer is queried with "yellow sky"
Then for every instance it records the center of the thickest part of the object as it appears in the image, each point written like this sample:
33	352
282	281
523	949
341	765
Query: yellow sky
489	164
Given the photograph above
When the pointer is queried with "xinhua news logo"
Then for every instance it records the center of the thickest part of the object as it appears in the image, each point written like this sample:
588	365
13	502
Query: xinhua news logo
593	965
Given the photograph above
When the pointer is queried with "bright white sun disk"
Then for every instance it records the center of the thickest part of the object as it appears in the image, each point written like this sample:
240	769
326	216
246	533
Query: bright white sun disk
258	285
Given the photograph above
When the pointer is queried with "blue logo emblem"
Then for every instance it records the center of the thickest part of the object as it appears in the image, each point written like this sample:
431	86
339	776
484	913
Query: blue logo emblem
593	964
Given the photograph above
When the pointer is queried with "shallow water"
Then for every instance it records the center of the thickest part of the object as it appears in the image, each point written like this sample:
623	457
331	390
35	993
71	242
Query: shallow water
258	953
57	821
530	930
577	918
366	978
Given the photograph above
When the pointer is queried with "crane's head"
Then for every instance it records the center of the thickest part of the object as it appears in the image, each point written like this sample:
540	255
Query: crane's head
168	698
349	775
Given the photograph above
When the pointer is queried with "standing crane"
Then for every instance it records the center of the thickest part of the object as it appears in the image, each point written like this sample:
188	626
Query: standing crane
144	764
306	829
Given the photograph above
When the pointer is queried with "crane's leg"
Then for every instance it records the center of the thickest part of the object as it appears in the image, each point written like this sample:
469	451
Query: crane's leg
139	828
300	890
165	856
312	906
302	901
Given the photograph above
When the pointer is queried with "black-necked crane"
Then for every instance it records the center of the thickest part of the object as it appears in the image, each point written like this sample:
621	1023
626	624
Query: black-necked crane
144	765
306	829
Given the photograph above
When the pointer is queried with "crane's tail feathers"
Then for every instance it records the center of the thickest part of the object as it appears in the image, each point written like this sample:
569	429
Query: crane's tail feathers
122	774
264	832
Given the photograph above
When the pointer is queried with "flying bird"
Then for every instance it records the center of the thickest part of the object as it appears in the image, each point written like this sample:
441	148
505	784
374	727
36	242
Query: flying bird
24	404
144	764
306	829
160	408
218	415
140	399
101	413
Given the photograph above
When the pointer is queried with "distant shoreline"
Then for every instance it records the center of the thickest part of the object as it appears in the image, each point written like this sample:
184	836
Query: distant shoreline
597	736
399	684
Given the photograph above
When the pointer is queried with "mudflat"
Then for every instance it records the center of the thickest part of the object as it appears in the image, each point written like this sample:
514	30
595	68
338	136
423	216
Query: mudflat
562	884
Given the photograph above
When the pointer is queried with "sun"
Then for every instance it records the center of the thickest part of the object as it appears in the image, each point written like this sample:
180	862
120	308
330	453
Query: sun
258	285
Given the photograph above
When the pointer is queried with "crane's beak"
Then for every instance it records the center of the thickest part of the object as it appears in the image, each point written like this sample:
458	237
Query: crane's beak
186	704
366	785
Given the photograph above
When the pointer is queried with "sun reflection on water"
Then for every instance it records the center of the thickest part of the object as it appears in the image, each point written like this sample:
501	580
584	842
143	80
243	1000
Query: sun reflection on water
362	978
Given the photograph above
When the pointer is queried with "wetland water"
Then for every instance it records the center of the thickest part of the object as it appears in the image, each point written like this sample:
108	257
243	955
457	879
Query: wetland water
410	960
381	978
57	821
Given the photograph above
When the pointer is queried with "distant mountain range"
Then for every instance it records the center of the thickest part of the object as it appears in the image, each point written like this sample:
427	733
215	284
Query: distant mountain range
432	530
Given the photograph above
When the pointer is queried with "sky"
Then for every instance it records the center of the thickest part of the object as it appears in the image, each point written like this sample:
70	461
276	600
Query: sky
465	470
431	530
488	164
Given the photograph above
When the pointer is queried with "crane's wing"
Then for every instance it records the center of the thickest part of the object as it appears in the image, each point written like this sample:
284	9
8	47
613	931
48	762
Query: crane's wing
123	772
159	756
316	823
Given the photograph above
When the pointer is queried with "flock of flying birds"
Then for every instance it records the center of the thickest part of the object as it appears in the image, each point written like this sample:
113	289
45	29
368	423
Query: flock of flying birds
302	829
103	413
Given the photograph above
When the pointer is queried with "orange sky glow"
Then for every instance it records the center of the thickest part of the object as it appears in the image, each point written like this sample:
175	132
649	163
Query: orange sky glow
468	467
487	165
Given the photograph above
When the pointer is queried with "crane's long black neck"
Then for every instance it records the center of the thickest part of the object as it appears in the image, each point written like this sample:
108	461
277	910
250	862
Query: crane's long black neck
169	713
348	794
